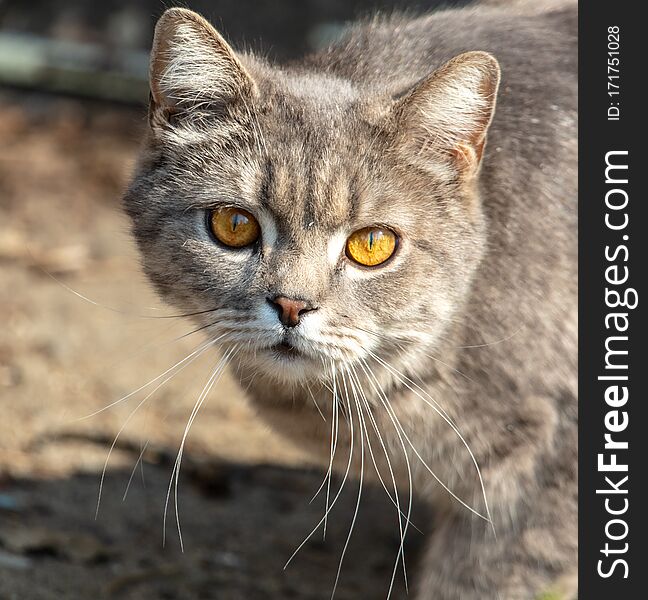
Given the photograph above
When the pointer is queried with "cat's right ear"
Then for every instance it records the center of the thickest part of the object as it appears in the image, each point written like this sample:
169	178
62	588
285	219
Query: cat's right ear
191	67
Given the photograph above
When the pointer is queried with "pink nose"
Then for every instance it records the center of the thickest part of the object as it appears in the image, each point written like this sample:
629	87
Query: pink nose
290	309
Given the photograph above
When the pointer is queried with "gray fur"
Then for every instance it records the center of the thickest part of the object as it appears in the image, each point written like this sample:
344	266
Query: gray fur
478	306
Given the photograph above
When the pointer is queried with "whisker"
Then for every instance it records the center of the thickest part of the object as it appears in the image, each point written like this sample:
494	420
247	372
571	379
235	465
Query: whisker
319	410
137	462
434	405
506	339
396	499
144	348
130	416
453	369
119	310
334	439
332	503
398	429
175	474
413	337
411	334
357	506
191	357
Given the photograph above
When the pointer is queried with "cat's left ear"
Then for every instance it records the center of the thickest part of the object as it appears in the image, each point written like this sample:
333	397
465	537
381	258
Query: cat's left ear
192	66
446	115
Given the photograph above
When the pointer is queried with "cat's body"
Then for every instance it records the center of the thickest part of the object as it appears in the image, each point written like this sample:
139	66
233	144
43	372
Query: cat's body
467	336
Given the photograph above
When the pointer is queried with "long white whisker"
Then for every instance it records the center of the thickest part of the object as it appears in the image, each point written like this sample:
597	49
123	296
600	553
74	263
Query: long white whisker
402	378
175	474
353	375
396	499
195	353
505	339
334	438
130	416
118	310
319	410
137	462
333	502
453	369
412	337
398	428
152	345
357	506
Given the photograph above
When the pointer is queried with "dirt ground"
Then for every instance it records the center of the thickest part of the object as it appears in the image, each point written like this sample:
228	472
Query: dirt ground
244	493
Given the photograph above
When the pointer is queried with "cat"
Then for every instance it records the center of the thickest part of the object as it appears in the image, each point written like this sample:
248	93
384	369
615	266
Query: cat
384	235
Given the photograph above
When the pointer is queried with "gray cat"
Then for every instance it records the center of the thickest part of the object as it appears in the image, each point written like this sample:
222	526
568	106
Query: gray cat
385	236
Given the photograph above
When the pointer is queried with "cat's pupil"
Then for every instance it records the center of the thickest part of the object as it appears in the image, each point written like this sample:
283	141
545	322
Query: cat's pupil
236	219
371	240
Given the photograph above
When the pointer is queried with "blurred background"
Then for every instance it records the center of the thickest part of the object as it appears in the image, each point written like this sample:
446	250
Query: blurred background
76	335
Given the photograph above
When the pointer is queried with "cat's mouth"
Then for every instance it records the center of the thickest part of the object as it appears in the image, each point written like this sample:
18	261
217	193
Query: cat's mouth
285	350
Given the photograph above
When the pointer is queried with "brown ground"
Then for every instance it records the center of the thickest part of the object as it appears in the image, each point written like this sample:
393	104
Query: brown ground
244	494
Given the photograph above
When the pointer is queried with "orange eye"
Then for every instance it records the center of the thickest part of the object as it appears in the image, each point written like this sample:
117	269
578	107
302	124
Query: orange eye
371	246
234	227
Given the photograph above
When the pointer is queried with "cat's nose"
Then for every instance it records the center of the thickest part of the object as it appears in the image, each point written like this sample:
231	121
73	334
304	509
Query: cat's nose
290	309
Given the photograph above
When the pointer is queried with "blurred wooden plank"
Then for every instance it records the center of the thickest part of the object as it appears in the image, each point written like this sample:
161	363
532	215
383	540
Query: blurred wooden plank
82	69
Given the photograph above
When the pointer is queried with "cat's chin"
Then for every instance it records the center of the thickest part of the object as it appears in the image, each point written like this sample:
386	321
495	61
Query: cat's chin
283	363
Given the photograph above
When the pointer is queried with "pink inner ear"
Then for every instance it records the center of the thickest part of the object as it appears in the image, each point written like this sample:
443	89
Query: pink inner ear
464	155
468	156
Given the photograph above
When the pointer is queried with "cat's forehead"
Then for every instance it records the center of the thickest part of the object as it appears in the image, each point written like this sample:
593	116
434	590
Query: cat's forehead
314	189
311	161
329	191
314	164
327	194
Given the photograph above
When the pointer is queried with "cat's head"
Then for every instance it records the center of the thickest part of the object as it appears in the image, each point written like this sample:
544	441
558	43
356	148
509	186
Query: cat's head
308	220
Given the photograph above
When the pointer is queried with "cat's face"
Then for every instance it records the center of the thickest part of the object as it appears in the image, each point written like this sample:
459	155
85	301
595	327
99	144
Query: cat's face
300	163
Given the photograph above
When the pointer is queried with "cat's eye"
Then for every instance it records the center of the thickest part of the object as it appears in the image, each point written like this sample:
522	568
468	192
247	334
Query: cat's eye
371	246
234	227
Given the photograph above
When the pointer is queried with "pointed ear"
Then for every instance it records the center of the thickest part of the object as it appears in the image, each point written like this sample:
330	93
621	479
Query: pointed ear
447	114
193	66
